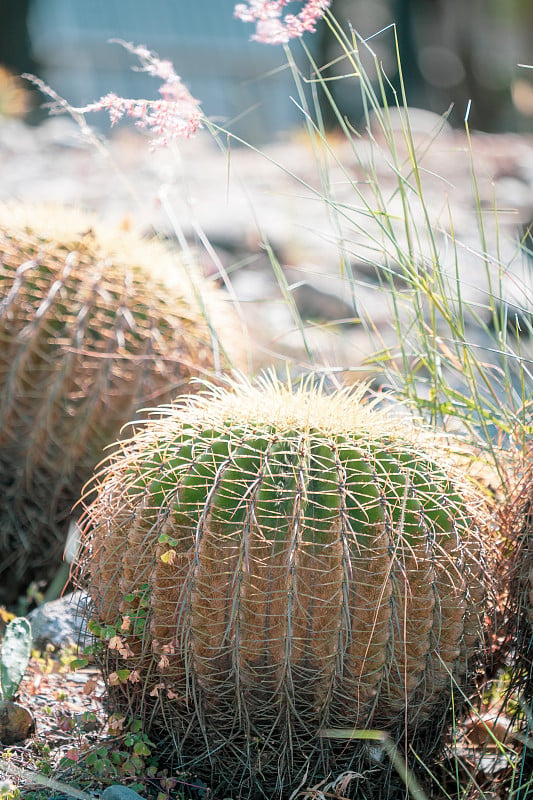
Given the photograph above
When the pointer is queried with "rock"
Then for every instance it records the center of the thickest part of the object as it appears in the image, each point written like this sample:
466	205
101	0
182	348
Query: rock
16	722
316	305
61	622
420	121
118	792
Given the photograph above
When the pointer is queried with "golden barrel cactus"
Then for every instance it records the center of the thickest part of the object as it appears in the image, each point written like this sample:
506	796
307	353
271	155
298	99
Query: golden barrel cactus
95	323
265	564
518	516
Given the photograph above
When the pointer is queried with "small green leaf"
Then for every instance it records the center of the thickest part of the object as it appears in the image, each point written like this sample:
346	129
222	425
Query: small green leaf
94	627
164	538
141	749
78	663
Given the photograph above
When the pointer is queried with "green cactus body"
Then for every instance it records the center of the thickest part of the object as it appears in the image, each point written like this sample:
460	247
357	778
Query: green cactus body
289	562
95	323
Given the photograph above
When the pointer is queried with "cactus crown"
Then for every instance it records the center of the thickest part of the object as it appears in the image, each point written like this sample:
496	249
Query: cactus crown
48	230
286	561
276	412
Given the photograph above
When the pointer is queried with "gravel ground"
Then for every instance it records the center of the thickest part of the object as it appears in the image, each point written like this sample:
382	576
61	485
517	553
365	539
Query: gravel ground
227	204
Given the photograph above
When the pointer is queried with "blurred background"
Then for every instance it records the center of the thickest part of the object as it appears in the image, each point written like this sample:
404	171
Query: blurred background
452	51
325	251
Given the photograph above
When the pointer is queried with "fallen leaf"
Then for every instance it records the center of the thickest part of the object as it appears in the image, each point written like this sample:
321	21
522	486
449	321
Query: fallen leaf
90	686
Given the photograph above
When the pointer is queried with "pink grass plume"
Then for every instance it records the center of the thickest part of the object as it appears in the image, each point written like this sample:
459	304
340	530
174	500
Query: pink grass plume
271	27
176	114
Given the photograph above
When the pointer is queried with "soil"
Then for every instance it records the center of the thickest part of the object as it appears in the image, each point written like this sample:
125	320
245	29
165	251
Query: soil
237	209
69	718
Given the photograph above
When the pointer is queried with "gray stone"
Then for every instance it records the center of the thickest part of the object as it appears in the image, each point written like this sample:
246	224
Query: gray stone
420	121
61	622
16	722
118	792
314	304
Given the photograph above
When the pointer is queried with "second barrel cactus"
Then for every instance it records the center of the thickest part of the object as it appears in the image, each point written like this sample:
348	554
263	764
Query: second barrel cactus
95	323
265	564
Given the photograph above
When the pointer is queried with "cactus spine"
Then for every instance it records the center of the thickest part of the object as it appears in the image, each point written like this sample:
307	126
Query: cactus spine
95	323
269	564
